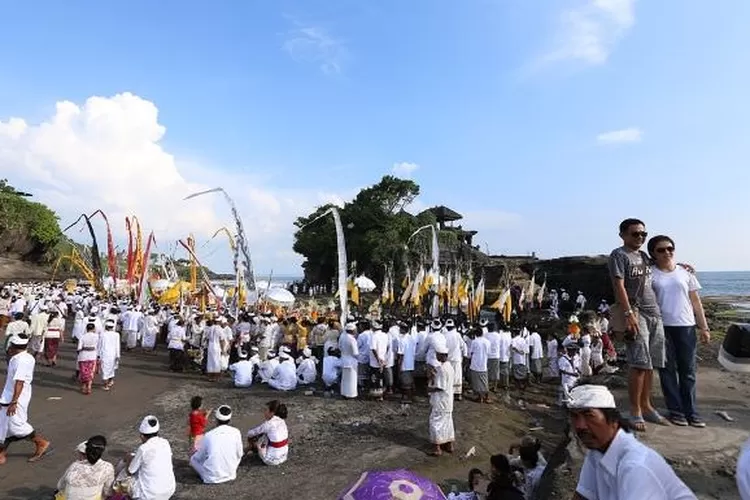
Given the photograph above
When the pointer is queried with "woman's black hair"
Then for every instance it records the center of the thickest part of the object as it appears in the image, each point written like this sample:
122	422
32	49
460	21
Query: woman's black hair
277	408
651	246
95	448
90	327
501	471
529	455
196	402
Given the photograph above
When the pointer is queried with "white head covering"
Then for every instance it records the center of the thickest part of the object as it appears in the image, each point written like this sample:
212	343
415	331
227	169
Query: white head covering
306	352
376	325
21	340
81	448
436	324
284	349
223	413
284	355
591	396
483	322
351	327
449	323
149	425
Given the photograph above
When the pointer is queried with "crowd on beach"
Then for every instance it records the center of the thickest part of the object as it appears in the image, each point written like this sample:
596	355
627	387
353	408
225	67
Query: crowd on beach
658	315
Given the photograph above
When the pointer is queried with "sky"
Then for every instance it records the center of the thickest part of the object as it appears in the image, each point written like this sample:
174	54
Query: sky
543	123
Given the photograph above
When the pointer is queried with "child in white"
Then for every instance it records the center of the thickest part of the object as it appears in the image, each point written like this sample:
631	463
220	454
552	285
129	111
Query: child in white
568	371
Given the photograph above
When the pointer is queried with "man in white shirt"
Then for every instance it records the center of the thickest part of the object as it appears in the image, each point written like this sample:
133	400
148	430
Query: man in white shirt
536	353
15	399
151	465
285	375
505	351
363	360
380	346
220	451
243	371
479	354
349	361
519	346
456	352
131	320
493	356
617	466
406	347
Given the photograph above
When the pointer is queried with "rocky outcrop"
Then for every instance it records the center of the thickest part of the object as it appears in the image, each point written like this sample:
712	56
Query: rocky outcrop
585	273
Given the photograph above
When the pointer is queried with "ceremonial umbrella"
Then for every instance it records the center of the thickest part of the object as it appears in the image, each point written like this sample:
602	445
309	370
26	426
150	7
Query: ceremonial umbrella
365	284
398	484
279	296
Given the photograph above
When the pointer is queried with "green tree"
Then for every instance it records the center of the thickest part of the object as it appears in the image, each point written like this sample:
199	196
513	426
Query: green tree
375	225
27	222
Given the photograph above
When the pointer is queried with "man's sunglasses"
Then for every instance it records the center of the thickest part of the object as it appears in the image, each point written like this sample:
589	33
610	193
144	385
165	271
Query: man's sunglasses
665	250
639	234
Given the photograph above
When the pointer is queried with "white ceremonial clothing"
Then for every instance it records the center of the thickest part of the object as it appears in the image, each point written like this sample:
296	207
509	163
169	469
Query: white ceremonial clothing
363	346
131	325
420	349
218	455
505	342
242	373
274	449
176	338
380	342
535	343
586	355
307	371
332	370
15	327
441	404
109	353
456	354
87	348
20	367
629	470
284	376
520	348
267	369
79	325
214	335
554	369
228	336
149	332
152	470
406	347
479	354
494	338
38	323
349	364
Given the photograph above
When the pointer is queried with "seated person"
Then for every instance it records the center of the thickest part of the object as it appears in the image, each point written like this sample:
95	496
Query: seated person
220	451
270	440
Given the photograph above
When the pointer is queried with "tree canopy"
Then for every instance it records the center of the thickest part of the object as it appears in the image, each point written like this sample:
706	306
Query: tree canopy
376	227
27	218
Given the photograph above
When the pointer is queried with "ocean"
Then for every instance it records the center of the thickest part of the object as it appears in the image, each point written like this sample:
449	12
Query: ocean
725	283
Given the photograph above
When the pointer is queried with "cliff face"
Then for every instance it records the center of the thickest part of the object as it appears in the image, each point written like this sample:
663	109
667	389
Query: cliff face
588	274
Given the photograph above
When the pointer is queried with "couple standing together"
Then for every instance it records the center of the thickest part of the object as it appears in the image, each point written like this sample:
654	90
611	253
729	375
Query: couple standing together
659	312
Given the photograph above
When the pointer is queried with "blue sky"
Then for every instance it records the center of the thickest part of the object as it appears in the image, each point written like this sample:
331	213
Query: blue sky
545	123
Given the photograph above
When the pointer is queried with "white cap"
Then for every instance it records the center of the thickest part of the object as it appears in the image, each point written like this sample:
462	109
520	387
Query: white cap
20	340
149	425
81	448
306	352
223	413
351	327
449	323
591	396
483	322
436	324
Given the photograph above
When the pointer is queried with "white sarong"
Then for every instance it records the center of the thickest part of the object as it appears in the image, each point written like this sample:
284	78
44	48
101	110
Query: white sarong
441	427
18	425
349	382
458	379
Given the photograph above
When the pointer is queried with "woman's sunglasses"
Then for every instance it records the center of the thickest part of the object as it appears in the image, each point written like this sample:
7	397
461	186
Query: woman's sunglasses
665	250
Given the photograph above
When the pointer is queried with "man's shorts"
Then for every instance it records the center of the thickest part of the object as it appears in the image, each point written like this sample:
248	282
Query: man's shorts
647	351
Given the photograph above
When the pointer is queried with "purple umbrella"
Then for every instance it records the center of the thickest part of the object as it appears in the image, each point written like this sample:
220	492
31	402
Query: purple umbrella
398	484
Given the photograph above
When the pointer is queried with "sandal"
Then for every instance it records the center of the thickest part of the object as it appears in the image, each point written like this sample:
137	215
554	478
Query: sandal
655	418
638	424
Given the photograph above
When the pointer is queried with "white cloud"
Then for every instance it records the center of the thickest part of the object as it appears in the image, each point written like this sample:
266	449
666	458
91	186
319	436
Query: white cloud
107	154
404	169
313	44
590	31
627	135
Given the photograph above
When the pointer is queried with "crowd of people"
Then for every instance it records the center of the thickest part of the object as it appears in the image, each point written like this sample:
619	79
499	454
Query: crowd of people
658	314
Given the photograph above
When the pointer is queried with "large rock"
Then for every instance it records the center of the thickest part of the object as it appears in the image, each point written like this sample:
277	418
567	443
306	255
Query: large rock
588	274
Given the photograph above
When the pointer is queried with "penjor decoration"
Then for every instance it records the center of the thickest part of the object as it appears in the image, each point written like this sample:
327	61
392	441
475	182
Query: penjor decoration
243	265
96	263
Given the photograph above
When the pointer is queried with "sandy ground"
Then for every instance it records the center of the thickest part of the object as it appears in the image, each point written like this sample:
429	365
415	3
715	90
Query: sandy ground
333	441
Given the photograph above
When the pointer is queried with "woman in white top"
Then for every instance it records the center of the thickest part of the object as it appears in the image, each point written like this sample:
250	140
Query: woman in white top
271	438
88	345
89	477
676	292
53	336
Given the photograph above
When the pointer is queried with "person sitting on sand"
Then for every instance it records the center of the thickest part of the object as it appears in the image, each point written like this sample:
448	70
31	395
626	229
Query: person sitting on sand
220	451
89	477
617	466
285	375
502	486
307	371
475	480
148	473
270	440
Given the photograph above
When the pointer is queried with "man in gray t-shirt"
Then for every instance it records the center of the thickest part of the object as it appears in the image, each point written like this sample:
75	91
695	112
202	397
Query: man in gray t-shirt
637	316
